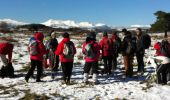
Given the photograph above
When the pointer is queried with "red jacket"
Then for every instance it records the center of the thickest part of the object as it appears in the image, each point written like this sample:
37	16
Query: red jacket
6	49
40	48
60	48
97	50
103	43
157	47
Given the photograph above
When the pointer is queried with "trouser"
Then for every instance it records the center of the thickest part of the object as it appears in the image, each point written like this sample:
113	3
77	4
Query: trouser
140	62
163	72
94	67
38	64
67	70
91	65
107	64
128	59
114	62
4	60
55	63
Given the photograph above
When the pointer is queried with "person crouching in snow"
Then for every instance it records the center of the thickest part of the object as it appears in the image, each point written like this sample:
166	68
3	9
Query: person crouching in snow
37	50
66	51
6	48
163	57
91	49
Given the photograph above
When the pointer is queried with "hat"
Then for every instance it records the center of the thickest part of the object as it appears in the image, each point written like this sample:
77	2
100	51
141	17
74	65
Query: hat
92	35
124	30
53	33
65	35
105	34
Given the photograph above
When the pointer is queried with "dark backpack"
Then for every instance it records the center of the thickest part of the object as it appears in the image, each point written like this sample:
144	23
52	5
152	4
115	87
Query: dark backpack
68	50
33	47
165	48
146	40
117	46
89	50
7	71
131	46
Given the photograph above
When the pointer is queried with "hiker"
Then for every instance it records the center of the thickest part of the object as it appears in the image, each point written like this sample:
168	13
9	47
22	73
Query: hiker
53	58
6	49
106	45
91	50
46	41
163	57
36	50
66	51
116	47
128	49
143	41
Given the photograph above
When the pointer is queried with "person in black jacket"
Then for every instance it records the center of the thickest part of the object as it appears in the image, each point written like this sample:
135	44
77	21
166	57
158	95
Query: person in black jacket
128	48
140	51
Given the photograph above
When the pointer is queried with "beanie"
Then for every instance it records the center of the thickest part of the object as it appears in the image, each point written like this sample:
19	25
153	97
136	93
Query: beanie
65	35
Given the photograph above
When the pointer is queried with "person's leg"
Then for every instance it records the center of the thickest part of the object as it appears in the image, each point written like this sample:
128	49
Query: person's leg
131	65
168	73
55	66
39	70
140	62
114	62
64	69
30	72
4	60
105	70
87	68
95	71
110	59
70	68
158	73
125	58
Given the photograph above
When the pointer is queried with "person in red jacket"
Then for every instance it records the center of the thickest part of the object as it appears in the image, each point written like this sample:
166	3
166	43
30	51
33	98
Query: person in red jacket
163	57
66	51
91	49
106	45
36	59
7	70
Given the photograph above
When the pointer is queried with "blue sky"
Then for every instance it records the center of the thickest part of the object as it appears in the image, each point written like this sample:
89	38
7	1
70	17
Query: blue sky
110	12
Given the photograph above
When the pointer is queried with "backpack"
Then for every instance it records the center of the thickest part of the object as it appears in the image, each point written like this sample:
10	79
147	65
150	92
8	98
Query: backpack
89	51
146	41
164	48
7	71
33	47
68	50
131	46
47	42
117	46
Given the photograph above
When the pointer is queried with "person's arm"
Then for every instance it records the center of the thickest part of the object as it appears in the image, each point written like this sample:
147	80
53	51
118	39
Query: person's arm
59	49
10	53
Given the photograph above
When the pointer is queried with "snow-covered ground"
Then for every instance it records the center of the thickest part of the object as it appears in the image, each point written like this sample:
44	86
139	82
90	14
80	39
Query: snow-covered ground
113	87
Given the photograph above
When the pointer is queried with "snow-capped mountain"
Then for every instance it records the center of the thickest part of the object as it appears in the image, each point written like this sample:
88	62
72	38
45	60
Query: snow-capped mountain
11	22
71	23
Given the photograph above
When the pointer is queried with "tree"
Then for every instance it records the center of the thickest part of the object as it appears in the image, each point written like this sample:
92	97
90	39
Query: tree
162	23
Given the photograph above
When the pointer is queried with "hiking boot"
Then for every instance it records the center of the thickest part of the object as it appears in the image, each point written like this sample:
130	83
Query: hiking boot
85	82
26	79
39	80
95	82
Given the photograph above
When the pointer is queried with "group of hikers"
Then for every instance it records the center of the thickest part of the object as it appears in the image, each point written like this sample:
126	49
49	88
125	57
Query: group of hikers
46	49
